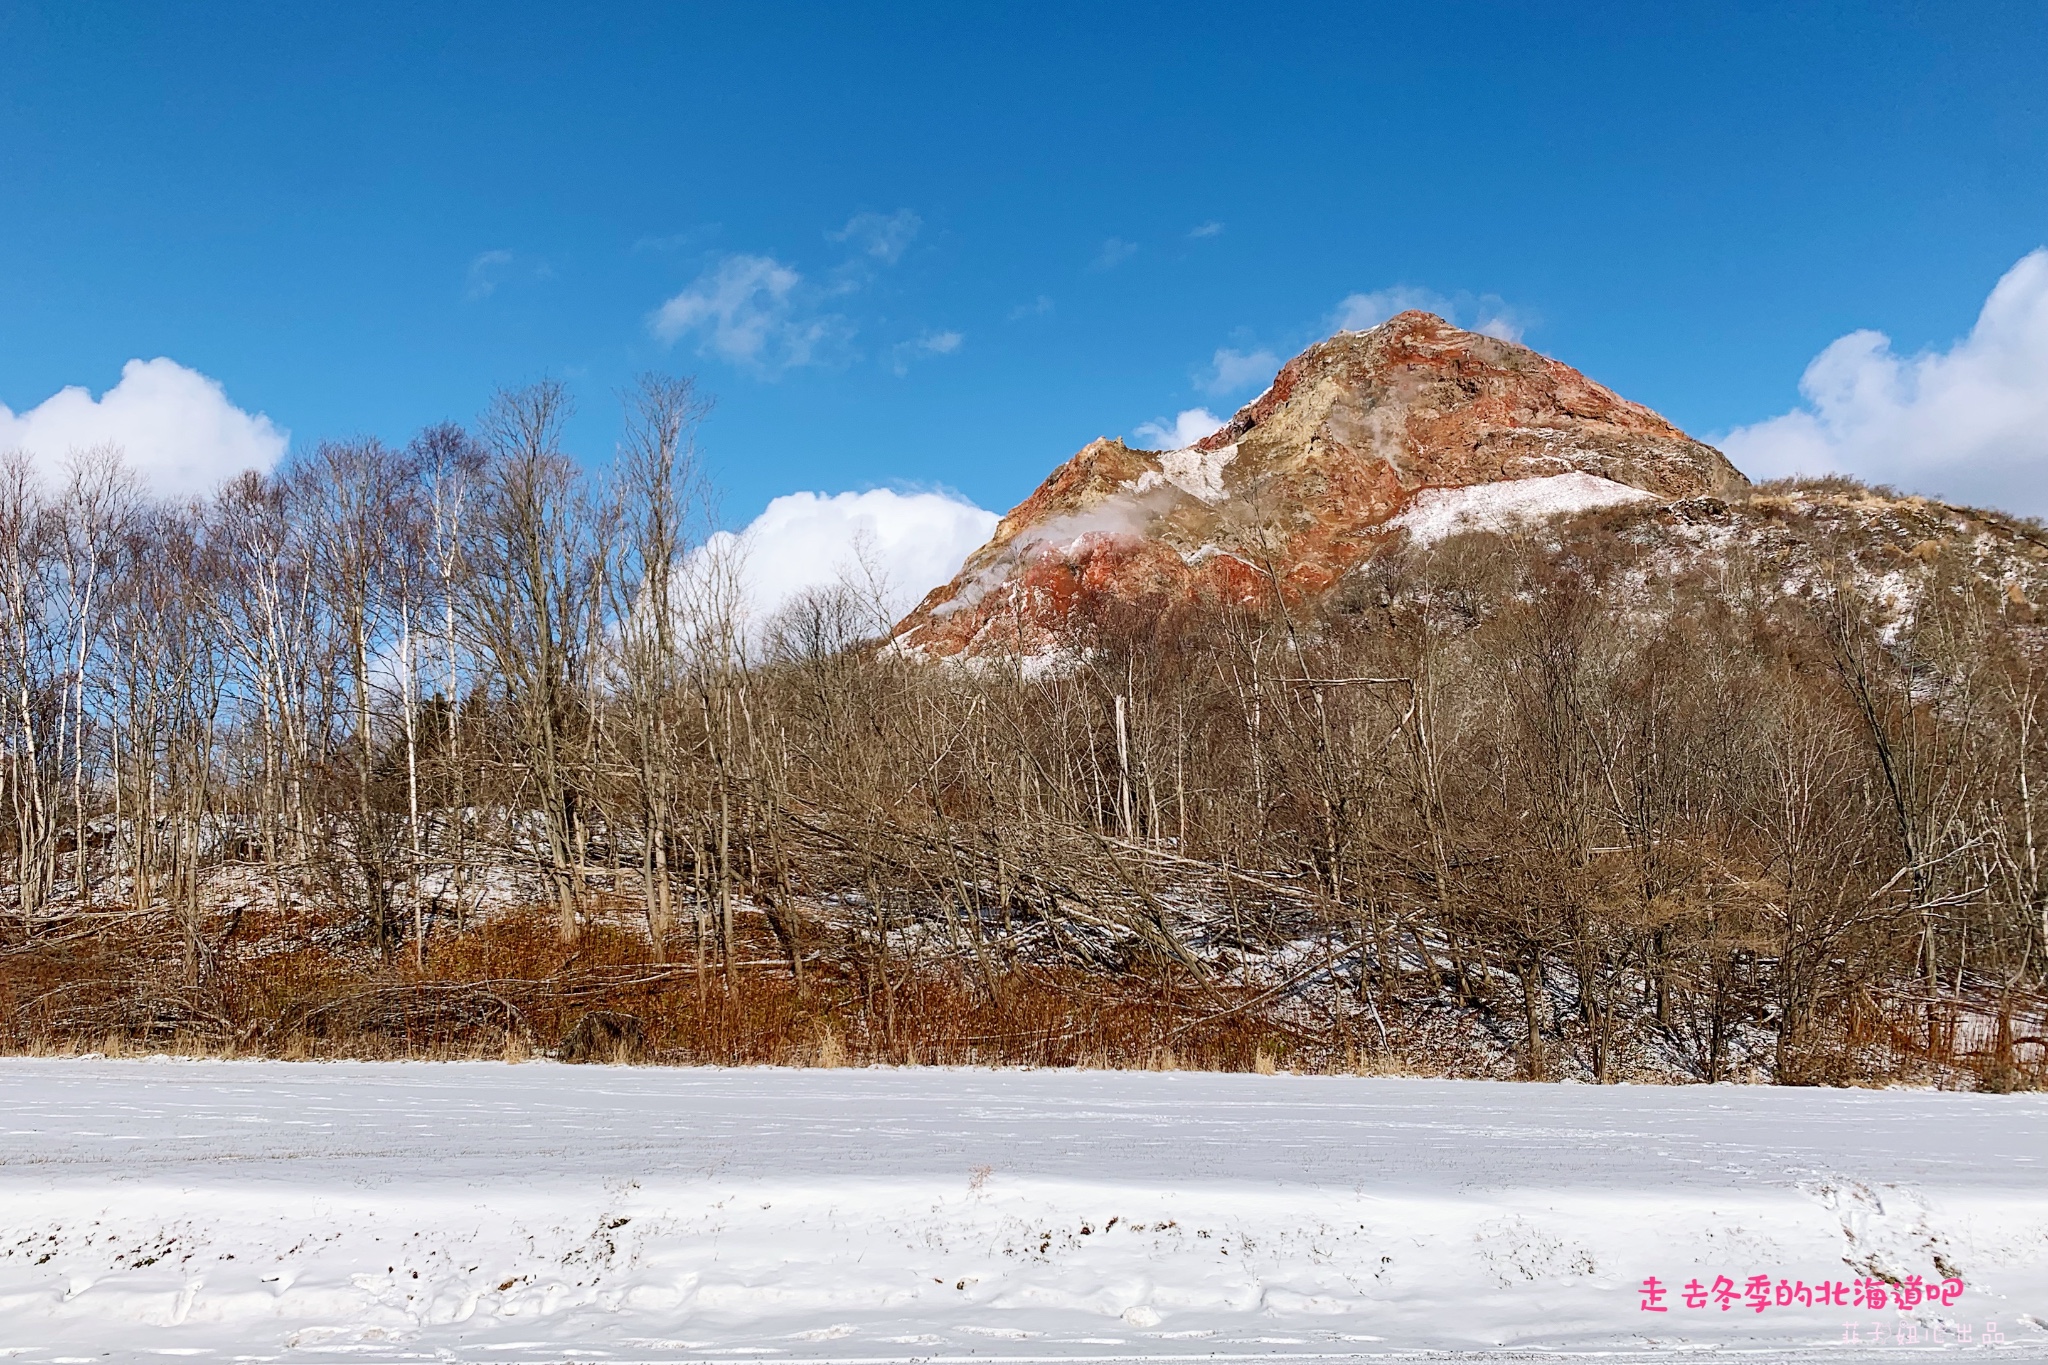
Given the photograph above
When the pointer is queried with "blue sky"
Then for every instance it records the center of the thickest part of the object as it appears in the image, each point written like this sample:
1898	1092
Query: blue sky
946	245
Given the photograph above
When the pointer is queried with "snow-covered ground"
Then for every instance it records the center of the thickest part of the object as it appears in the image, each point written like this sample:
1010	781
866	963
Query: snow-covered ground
486	1212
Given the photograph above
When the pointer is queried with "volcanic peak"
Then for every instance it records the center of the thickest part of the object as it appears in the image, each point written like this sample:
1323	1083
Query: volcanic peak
1361	436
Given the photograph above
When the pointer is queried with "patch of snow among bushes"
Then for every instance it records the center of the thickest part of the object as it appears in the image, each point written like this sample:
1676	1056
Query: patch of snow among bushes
1508	503
477	1212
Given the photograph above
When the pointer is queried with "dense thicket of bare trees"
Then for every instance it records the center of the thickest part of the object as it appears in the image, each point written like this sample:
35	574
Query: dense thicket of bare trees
1578	804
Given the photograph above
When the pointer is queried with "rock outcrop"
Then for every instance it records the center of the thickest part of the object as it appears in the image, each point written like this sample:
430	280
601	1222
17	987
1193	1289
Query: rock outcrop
1413	427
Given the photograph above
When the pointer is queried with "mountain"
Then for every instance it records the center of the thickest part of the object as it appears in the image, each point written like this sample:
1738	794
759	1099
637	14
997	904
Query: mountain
1414	426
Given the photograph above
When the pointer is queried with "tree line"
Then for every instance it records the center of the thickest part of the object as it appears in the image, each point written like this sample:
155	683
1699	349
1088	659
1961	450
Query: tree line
295	757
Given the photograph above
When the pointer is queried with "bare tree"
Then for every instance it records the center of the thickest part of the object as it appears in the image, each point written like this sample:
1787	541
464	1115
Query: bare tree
534	573
660	487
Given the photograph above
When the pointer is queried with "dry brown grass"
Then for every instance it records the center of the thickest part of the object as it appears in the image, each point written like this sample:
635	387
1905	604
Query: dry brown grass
508	990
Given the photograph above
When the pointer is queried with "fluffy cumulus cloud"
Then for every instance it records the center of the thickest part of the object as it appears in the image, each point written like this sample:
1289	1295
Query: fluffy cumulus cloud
898	546
175	428
1184	430
1485	313
1969	423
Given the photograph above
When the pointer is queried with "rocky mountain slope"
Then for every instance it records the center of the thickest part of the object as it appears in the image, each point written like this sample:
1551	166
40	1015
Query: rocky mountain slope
1414	426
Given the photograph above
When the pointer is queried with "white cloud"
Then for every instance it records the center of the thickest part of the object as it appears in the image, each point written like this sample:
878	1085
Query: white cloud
930	343
492	268
1210	229
1969	423
1113	253
484	273
744	309
1183	431
903	544
1487	313
175	427
1037	308
1357	312
884	236
1231	371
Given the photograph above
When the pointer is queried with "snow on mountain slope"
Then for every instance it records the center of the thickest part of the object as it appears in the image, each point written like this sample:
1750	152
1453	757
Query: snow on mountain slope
483	1212
1439	512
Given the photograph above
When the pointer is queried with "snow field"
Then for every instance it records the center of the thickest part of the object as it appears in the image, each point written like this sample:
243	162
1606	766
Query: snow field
483	1212
1506	504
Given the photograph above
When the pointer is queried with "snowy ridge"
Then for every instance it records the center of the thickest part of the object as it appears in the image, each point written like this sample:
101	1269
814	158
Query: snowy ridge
480	1212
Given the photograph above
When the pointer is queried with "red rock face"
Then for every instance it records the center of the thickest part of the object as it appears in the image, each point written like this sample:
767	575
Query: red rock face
1301	485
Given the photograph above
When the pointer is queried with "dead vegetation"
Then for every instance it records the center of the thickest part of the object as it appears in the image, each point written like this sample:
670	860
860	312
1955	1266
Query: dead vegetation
438	753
